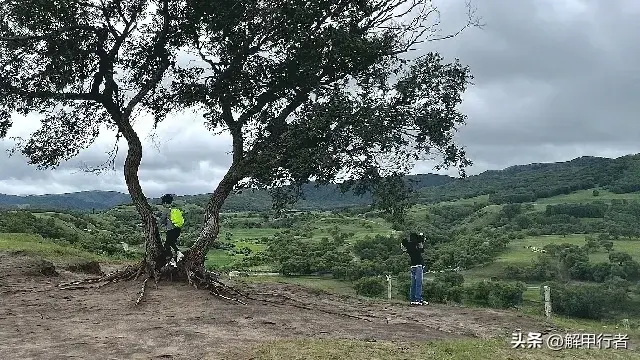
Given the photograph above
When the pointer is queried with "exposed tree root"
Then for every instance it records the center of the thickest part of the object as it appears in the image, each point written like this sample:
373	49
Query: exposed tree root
200	279
144	287
298	304
125	274
218	288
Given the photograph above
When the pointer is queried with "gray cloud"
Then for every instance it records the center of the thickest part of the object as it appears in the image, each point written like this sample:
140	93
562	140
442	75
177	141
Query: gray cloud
554	80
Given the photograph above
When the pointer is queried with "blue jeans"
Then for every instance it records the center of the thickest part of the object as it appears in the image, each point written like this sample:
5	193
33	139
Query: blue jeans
415	292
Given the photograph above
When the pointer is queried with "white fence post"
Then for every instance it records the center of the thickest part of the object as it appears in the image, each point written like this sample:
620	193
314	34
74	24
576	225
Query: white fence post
547	301
389	287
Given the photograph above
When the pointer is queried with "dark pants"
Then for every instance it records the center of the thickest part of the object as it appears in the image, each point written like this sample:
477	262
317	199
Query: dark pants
415	292
171	244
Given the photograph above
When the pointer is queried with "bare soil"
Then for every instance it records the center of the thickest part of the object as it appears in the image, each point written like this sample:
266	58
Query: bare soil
176	321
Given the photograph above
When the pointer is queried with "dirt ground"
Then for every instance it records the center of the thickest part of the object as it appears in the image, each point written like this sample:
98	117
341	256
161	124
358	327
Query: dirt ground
40	321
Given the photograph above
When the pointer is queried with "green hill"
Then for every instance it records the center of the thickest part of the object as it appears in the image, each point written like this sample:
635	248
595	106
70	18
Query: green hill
516	184
85	200
527	183
584	214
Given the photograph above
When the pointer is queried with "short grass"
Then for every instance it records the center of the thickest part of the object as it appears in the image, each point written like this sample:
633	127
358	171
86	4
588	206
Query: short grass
253	246
31	244
217	258
472	200
360	228
584	196
437	350
220	258
240	234
517	253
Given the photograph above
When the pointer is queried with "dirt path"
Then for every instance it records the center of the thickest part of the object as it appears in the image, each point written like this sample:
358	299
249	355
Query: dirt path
178	322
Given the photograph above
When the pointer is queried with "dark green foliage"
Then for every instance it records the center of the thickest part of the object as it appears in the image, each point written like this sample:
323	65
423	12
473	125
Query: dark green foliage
593	210
370	286
544	268
63	55
446	287
589	301
290	75
295	256
496	294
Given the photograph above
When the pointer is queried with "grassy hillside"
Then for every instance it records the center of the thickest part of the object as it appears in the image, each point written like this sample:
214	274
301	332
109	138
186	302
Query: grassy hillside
527	183
588	233
35	245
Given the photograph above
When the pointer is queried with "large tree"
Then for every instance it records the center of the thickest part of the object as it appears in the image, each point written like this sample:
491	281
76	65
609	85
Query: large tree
87	66
317	90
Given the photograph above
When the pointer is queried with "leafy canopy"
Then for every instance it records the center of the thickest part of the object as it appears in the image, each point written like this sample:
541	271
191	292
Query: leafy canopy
309	89
83	65
320	90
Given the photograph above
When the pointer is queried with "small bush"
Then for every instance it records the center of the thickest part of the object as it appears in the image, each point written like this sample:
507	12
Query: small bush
403	286
370	286
446	287
441	292
496	294
588	301
450	278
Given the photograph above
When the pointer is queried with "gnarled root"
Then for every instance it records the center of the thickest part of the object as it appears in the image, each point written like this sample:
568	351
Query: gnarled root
204	279
125	274
200	278
144	287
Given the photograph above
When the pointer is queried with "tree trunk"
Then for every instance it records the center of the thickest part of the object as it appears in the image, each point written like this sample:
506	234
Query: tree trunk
194	259
153	260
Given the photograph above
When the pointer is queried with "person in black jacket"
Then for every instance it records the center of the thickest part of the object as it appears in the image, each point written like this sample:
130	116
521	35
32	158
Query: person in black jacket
414	247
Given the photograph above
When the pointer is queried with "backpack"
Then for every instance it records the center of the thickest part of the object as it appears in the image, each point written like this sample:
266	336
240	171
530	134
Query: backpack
176	217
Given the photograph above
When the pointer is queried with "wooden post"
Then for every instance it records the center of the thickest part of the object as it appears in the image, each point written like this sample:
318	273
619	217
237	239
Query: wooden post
547	301
389	287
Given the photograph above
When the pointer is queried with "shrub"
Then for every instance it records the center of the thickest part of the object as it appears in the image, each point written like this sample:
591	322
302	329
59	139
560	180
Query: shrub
403	285
370	286
446	287
496	294
582	301
441	292
450	278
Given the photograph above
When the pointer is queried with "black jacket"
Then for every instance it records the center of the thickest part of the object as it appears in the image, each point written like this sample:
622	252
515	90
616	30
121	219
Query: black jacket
415	251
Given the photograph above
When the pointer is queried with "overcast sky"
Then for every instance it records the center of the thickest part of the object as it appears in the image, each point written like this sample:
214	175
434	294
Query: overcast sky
554	80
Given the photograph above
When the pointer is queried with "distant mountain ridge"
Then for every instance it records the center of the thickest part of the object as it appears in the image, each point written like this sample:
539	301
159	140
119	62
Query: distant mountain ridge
526	183
321	197
519	183
83	200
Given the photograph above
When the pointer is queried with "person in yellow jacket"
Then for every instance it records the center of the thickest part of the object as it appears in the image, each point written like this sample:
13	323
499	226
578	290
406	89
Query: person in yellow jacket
171	221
